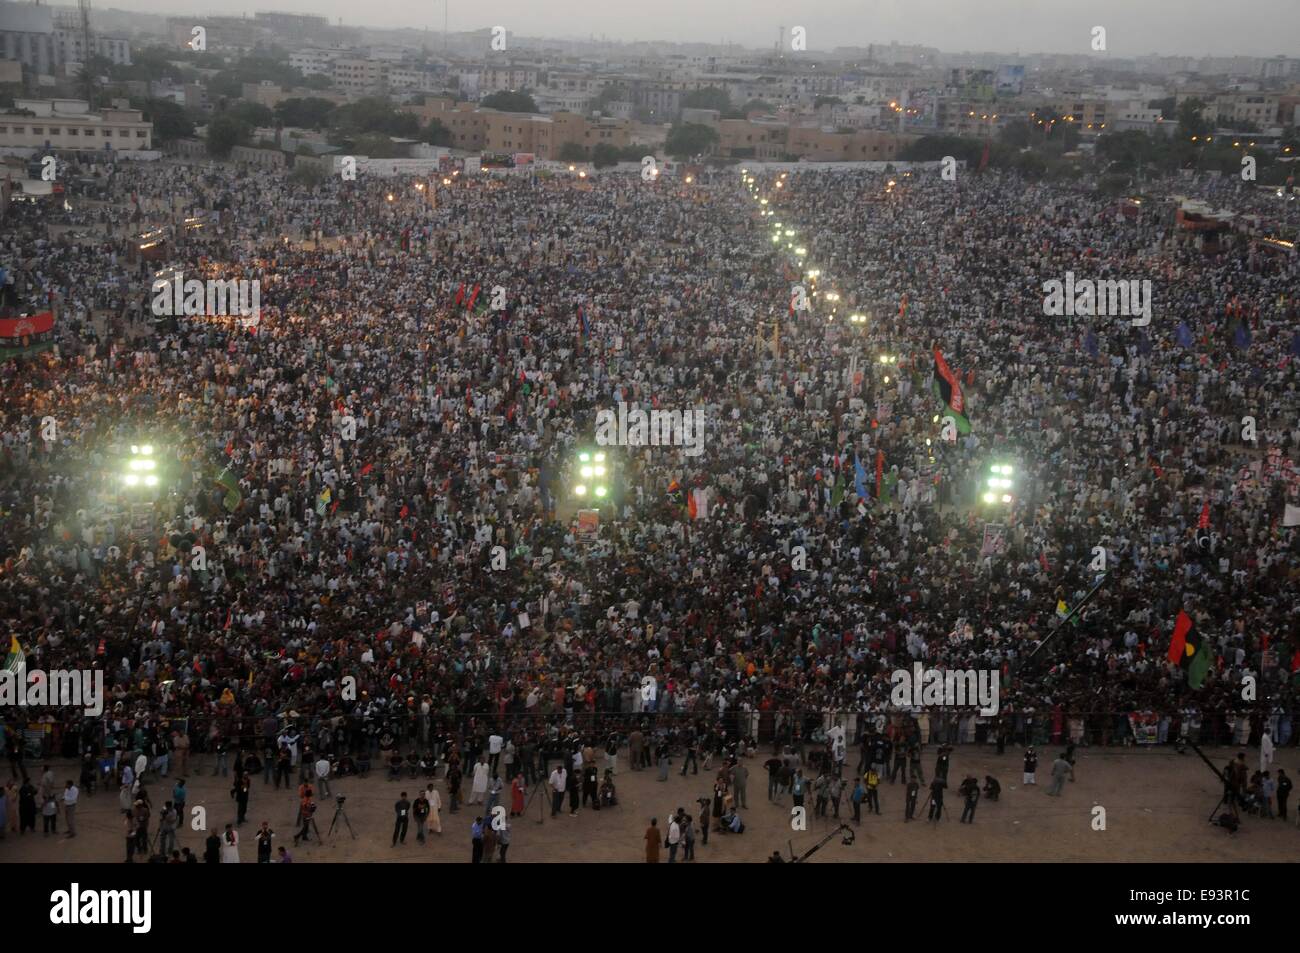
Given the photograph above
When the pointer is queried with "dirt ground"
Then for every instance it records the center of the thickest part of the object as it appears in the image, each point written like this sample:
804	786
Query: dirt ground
1156	802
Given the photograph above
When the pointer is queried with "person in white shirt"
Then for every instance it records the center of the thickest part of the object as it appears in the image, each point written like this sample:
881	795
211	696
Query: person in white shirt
495	744
70	795
323	775
558	781
674	838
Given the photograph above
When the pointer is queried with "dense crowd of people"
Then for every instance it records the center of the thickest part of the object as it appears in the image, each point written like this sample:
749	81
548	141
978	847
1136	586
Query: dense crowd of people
345	604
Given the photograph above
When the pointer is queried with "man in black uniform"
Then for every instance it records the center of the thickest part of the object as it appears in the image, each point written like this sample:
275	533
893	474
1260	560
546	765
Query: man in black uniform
970	790
402	810
900	763
936	798
941	763
591	785
913	789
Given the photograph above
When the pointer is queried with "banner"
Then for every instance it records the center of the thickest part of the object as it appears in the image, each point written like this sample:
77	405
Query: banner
1144	725
32	324
995	540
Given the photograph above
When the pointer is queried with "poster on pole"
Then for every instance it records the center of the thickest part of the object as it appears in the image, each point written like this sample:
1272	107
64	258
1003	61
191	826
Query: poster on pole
995	540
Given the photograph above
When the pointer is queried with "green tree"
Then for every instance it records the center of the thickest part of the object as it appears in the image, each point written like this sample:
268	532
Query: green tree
690	139
710	97
169	120
1190	121
224	133
604	155
309	112
510	102
756	106
377	146
573	152
436	134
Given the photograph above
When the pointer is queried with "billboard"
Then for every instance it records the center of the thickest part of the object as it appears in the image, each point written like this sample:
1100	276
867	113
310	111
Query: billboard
1010	79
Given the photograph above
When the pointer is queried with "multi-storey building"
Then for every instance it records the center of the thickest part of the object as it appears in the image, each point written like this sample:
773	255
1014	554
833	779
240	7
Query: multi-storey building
69	124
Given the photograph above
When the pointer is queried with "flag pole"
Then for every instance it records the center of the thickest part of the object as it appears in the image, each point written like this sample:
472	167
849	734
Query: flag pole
1066	619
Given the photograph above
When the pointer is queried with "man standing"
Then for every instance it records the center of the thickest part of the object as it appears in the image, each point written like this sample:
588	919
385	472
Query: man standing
652	842
913	789
970	790
900	764
495	744
1060	771
936	798
70	795
873	791
557	782
636	748
674	837
476	841
1031	765
739	782
1283	792
264	838
590	785
323	775
402	810
167	829
420	811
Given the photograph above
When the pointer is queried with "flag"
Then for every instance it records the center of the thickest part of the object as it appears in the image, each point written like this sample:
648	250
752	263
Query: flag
880	471
584	328
234	496
697	504
859	478
1183	335
984	157
1062	610
404	512
837	494
322	501
16	660
469	305
948	389
1204	521
1042	561
1241	335
367	468
460	295
1187	650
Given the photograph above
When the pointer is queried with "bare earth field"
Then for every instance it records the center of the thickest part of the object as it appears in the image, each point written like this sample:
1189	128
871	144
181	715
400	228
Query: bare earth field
1157	803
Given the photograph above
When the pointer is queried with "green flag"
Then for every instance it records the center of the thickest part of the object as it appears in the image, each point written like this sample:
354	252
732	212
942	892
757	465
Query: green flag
837	494
234	496
1199	665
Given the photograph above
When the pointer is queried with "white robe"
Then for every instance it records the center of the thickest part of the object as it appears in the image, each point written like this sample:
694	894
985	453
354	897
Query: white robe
229	851
1265	752
480	784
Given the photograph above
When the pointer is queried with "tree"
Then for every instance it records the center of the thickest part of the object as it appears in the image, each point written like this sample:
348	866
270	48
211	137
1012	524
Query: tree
224	133
510	102
309	112
1190	121
573	152
169	120
604	155
1167	106
377	146
436	134
756	106
689	139
710	97
1017	134
821	101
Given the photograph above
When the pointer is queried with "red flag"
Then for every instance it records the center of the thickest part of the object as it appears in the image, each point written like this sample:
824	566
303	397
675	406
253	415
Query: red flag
1042	561
690	505
984	158
367	468
334	507
460	294
1295	661
472	298
1204	521
880	470
1178	644
230	448
403	512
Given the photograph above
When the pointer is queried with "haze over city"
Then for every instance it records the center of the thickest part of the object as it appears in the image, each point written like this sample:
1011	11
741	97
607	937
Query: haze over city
1194	27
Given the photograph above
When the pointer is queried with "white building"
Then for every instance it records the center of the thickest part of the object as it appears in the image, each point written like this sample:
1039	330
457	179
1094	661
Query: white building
69	124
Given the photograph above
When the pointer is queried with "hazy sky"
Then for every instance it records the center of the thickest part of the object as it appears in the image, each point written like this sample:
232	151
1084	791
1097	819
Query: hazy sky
1133	27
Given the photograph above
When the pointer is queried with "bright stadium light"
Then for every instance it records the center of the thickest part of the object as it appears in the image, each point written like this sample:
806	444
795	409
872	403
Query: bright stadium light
580	490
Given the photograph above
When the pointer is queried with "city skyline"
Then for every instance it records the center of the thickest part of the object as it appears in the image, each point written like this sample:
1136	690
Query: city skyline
1014	27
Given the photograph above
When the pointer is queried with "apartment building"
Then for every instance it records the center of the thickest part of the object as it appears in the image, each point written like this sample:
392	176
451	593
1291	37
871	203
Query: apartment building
69	124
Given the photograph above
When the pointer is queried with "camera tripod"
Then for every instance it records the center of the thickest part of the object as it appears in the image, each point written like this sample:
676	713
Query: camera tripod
541	805
338	813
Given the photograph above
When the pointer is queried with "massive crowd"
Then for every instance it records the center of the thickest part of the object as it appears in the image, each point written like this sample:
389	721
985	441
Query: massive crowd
348	601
